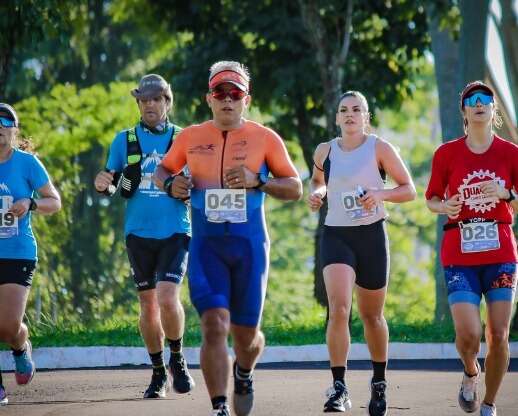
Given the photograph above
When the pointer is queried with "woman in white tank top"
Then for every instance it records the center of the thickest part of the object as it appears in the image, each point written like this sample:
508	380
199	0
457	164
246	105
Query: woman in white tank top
349	171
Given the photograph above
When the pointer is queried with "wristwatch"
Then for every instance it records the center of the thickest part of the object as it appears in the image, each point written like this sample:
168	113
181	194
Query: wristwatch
262	178
33	206
512	196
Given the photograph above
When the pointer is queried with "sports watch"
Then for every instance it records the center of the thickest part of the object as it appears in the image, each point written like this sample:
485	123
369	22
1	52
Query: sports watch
33	205
262	178
512	196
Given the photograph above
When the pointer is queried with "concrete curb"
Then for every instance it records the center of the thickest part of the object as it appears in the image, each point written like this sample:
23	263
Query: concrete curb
85	357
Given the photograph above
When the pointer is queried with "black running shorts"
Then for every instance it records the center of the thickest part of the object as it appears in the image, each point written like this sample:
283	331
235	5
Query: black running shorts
17	271
365	248
157	260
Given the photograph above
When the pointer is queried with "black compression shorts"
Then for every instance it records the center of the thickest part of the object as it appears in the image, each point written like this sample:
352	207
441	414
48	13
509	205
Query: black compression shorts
365	248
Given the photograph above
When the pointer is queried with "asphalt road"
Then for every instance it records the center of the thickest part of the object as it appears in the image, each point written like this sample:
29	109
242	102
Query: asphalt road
429	389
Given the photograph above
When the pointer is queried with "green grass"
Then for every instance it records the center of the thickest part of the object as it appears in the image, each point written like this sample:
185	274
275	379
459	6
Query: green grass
125	333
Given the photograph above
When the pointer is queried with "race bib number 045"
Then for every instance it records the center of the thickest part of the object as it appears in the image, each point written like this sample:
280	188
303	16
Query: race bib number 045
225	205
8	224
476	237
353	208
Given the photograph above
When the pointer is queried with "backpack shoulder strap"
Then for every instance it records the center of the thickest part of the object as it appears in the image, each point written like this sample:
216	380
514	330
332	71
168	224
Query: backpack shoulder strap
133	150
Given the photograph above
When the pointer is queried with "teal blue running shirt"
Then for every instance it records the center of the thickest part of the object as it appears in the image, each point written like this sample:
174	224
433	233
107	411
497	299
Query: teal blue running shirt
150	212
20	176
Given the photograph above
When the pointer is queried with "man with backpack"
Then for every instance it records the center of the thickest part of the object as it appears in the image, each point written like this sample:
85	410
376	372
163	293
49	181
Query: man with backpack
157	230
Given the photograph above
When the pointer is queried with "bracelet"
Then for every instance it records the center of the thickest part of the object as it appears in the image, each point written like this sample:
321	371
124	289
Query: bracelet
168	183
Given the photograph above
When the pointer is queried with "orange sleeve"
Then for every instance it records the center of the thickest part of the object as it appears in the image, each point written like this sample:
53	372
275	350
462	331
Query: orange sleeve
277	157
176	158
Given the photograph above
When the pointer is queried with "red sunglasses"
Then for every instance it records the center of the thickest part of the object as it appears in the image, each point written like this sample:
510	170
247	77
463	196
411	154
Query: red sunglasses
235	94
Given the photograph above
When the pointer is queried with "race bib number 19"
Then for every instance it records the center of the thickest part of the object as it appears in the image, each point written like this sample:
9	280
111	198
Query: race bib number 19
476	237
8	224
353	208
225	205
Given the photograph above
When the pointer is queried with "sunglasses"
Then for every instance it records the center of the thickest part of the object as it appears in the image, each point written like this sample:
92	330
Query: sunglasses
6	122
235	94
471	101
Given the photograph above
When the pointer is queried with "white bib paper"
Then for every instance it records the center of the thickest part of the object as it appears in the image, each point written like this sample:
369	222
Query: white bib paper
8	224
353	207
225	205
476	237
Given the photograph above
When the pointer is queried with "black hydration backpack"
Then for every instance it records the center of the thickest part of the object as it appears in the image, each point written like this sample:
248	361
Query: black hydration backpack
132	173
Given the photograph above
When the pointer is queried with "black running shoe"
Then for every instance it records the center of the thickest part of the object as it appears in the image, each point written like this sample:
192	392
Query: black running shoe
159	385
243	394
337	398
223	410
378	401
182	380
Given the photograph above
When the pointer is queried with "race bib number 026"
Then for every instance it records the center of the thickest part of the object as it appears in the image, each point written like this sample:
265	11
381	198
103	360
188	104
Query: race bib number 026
476	237
8	224
225	205
353	208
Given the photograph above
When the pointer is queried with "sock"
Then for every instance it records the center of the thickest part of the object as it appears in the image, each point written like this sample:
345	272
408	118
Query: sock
489	404
175	344
17	353
379	371
242	373
338	374
157	361
218	401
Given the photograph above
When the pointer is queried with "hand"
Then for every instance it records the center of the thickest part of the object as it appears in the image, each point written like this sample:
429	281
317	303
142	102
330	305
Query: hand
240	177
20	207
103	180
493	189
181	187
371	199
452	206
315	201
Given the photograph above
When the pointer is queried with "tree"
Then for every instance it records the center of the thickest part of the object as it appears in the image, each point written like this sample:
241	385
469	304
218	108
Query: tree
296	74
456	63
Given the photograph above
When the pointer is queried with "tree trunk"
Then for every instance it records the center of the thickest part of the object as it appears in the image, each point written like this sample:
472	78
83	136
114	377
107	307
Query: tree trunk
508	31
456	63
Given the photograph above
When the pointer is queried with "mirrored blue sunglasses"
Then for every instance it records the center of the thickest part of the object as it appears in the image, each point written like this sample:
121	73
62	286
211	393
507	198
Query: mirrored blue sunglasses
471	101
7	122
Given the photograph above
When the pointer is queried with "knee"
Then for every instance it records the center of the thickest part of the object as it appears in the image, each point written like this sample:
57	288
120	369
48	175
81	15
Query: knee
468	339
215	328
497	338
339	313
373	319
9	331
149	308
248	340
169	304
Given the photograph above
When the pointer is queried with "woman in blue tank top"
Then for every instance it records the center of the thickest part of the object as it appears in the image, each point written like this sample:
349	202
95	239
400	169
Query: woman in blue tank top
21	175
349	170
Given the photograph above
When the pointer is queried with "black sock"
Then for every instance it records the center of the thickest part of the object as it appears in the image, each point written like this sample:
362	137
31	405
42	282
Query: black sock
17	353
379	371
242	373
175	344
218	401
488	404
157	361
338	374
1	381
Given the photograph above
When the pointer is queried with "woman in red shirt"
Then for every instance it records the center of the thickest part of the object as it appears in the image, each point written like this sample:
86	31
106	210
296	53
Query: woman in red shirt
472	182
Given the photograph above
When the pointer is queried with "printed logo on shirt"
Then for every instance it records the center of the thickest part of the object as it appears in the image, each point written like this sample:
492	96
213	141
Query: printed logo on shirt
203	149
240	144
149	163
471	193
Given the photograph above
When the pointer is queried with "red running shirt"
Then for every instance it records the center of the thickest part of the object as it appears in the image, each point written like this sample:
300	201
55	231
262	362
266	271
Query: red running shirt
457	170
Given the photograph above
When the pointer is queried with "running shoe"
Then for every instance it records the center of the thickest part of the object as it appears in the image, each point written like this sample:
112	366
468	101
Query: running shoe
378	401
223	410
3	396
468	395
182	380
337	398
486	410
159	385
24	366
243	399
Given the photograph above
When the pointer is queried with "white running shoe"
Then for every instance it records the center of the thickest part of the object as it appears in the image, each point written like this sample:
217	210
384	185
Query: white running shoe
486	410
468	395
